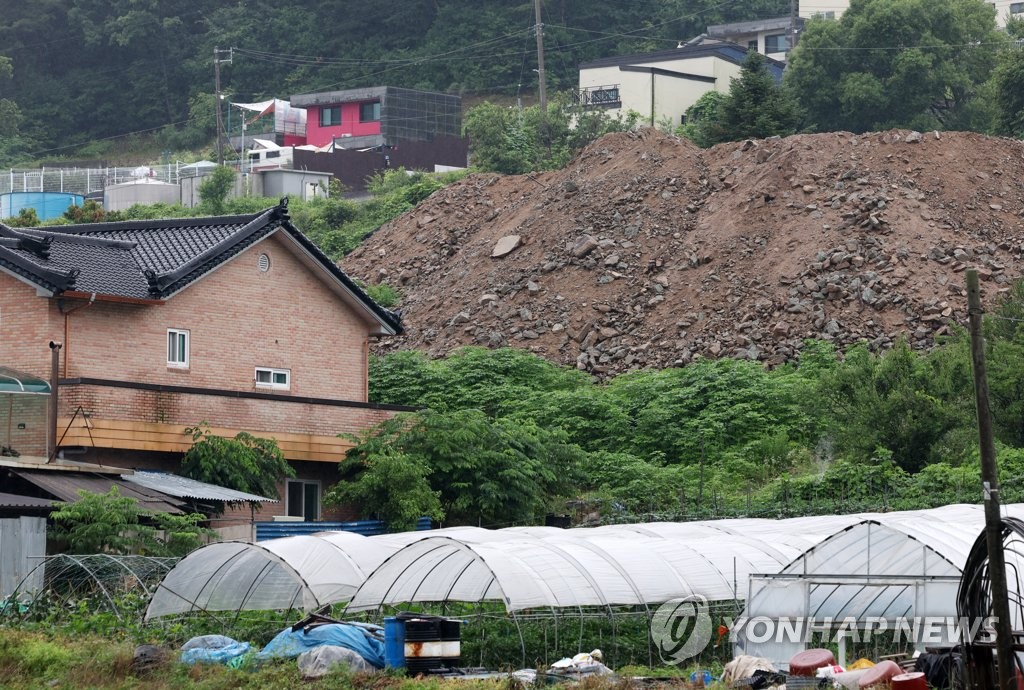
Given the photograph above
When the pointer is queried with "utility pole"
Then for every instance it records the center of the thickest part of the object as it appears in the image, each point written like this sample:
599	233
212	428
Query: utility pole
792	24
542	90
217	52
1005	657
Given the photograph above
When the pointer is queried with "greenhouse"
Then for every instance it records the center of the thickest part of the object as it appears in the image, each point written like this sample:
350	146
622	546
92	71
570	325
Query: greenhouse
826	571
887	571
520	567
303	572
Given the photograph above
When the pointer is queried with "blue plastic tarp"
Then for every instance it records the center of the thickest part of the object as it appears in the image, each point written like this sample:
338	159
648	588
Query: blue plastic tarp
212	649
366	641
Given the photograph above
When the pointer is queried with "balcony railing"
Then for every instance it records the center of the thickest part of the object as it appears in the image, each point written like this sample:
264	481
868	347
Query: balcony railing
599	97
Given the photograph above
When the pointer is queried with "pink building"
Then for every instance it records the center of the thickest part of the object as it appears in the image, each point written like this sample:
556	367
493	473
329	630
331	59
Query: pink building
381	115
238	321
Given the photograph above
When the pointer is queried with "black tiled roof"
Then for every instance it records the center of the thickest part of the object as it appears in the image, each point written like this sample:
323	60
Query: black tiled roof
152	259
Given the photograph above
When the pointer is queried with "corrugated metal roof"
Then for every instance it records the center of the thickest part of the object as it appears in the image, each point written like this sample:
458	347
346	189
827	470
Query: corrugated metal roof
65	486
16	501
183	487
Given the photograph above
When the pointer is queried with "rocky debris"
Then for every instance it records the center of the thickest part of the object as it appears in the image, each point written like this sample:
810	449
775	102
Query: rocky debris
506	245
646	251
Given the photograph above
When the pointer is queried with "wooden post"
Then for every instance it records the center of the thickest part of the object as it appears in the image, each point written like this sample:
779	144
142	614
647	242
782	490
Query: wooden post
1005	658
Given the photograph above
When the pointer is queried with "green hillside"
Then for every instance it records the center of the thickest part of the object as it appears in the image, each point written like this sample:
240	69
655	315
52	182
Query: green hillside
85	70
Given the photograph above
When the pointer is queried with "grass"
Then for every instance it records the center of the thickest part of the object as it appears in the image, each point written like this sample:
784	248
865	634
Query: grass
34	660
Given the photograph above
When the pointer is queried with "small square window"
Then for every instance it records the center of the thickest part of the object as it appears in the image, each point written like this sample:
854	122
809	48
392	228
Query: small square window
279	379
330	116
776	43
1017	8
177	348
369	112
303	499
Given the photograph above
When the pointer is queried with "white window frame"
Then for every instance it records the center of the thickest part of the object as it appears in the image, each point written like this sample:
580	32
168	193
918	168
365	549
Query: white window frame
304	482
176	333
274	373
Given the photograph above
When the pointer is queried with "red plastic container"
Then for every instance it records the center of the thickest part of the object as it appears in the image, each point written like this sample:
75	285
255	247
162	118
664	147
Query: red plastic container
881	675
910	681
808	662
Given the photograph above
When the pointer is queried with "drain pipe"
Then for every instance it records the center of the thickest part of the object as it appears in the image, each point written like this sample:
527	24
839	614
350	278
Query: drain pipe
67	312
51	427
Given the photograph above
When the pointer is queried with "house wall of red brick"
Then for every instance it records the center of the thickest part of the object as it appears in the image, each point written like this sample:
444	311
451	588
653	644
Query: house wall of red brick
238	318
189	409
23	423
27	325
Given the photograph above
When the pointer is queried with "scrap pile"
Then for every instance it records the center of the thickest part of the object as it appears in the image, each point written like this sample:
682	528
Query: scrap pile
817	669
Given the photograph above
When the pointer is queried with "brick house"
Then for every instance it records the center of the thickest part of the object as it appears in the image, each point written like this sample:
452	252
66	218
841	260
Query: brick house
238	321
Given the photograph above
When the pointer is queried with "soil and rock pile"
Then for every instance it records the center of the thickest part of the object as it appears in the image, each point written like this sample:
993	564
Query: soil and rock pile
647	251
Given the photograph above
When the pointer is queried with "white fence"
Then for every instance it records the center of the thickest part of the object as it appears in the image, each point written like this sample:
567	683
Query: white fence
87	180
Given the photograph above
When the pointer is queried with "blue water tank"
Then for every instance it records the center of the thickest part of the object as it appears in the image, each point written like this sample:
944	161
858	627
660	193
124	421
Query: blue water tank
48	205
394	643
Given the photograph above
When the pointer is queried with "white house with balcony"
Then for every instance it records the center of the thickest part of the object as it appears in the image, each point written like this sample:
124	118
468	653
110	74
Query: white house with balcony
662	85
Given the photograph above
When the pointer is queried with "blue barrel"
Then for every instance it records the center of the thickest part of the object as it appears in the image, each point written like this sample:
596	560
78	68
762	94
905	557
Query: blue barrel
394	643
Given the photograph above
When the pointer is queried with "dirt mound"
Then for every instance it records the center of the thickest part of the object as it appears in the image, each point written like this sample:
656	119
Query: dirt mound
648	251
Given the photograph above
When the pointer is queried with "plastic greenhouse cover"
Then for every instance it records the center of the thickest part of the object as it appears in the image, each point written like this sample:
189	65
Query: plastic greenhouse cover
901	565
544	567
303	572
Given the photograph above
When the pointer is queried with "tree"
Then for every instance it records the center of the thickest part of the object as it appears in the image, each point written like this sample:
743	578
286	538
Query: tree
895	402
89	212
888	63
510	141
10	114
483	471
704	120
112	523
1009	85
214	190
385	482
756	106
243	463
